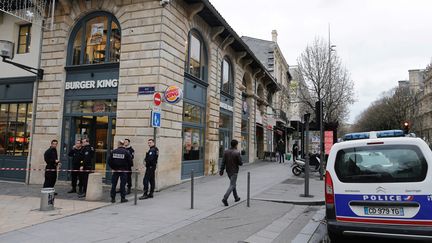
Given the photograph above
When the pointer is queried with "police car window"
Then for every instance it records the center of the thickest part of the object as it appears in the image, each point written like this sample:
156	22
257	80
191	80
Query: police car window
385	163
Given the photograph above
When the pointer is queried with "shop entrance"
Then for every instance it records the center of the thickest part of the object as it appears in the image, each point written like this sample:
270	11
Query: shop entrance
100	131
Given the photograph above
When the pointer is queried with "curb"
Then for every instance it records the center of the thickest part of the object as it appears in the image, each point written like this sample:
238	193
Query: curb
314	231
295	202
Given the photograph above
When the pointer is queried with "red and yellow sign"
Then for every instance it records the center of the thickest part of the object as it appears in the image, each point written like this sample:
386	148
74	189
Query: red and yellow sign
173	94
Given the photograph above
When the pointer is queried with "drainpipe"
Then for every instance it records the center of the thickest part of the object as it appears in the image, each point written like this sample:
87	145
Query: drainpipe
35	98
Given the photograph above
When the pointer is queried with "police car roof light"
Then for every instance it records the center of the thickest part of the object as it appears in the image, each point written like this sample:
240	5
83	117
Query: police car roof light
355	136
390	133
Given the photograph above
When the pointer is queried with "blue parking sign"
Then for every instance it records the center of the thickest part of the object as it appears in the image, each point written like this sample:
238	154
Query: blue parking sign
156	119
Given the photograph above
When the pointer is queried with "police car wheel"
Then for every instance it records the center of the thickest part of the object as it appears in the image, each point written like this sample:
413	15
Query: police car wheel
296	170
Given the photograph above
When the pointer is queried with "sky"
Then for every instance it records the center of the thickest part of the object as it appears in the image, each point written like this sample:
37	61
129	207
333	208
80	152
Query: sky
377	40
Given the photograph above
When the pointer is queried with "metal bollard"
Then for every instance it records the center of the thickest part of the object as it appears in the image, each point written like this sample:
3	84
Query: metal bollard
136	187
192	189
248	190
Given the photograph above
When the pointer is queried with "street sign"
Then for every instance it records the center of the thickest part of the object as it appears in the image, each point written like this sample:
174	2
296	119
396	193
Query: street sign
157	99
156	119
146	90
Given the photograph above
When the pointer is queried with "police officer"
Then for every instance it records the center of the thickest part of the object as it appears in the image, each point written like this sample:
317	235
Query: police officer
151	162
129	175
77	159
51	159
87	153
120	161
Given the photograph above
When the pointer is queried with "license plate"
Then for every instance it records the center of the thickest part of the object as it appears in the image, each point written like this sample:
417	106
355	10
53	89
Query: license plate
388	211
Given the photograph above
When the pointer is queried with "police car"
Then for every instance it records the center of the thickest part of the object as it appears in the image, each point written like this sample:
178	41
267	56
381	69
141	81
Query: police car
379	184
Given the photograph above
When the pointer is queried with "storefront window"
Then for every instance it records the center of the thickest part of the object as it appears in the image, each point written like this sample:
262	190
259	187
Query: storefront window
225	121
102	41
227	81
244	144
196	60
15	127
193	145
91	106
192	113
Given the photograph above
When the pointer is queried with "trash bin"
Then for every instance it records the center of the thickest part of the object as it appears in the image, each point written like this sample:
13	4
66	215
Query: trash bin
47	199
288	156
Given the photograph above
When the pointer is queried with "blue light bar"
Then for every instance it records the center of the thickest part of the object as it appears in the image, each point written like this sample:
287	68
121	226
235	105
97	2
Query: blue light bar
390	133
355	136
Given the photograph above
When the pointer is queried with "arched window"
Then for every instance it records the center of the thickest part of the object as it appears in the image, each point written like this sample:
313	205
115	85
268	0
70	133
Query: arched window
227	85
95	39
196	56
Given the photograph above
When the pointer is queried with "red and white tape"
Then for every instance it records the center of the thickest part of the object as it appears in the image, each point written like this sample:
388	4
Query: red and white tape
64	170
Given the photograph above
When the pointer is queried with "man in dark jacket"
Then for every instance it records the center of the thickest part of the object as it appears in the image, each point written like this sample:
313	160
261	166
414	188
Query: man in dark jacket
51	159
230	162
281	151
87	164
129	175
295	151
151	160
77	158
120	161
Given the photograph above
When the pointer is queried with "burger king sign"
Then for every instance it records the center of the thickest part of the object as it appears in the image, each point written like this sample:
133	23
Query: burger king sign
173	94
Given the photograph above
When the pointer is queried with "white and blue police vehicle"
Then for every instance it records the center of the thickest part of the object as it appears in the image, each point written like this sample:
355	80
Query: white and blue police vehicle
379	184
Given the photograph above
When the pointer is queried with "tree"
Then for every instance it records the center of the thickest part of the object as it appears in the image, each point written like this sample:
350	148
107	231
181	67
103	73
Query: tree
325	78
390	111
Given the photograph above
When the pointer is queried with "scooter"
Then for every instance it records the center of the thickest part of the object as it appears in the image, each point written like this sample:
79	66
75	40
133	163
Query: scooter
298	166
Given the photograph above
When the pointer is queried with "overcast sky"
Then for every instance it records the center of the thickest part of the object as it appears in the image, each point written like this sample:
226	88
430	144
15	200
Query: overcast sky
378	40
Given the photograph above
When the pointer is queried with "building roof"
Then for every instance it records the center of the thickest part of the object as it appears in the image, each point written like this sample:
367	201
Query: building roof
263	49
214	19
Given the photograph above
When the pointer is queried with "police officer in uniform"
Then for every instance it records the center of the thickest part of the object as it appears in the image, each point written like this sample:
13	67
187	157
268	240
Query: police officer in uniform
120	161
77	158
151	162
51	159
129	175
87	153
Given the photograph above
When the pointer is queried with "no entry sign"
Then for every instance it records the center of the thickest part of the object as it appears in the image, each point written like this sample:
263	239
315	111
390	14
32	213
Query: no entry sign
157	99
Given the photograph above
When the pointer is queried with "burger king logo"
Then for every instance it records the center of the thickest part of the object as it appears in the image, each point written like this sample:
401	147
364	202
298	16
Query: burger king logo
173	94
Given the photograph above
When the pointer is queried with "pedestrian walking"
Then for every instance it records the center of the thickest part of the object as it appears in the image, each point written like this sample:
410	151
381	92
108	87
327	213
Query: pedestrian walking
77	160
230	162
129	175
120	161
51	159
151	160
86	165
295	151
281	151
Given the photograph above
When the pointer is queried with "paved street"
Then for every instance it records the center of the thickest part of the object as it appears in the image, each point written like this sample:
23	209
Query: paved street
170	211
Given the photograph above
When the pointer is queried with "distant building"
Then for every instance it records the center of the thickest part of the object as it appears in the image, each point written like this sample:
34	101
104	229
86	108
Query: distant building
271	56
416	79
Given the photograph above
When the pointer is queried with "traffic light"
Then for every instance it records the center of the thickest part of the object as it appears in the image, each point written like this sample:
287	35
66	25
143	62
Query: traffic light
406	127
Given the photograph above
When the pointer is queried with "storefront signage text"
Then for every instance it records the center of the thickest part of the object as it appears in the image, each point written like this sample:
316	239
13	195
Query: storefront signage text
92	84
226	106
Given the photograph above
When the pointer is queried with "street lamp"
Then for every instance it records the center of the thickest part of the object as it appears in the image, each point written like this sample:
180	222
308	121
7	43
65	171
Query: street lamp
6	52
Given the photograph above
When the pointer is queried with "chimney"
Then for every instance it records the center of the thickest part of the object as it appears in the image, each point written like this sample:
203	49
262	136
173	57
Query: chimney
274	35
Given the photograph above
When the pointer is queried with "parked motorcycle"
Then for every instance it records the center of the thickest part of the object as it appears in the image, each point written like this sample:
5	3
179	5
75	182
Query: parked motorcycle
298	166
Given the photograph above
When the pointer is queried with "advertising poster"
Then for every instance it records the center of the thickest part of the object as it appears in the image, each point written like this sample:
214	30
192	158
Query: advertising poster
328	141
96	34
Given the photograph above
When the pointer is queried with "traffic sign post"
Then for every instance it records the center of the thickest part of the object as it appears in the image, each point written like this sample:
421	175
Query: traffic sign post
157	99
155	119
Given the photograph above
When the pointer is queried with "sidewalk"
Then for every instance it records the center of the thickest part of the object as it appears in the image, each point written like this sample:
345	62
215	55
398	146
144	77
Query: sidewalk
150	219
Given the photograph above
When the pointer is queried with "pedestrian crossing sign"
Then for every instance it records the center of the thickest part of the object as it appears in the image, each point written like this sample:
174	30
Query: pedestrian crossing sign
156	119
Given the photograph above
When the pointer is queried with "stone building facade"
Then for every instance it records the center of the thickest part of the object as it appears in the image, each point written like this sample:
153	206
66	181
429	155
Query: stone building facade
271	56
101	54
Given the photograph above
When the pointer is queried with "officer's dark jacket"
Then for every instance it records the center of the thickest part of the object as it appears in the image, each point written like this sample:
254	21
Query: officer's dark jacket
50	157
120	159
231	161
77	157
132	153
152	157
87	153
